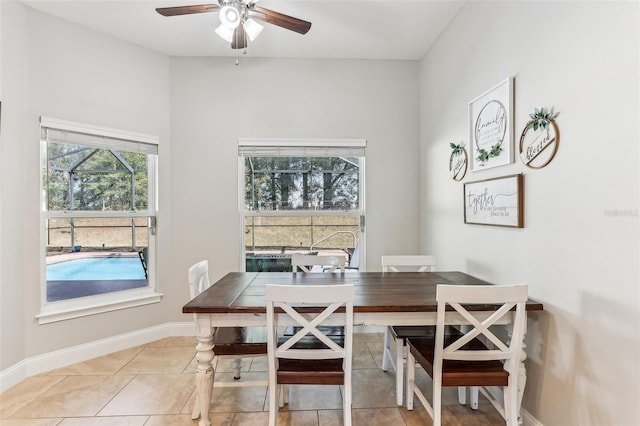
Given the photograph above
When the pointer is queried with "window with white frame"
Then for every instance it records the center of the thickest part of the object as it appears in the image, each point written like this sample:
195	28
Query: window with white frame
300	196
98	219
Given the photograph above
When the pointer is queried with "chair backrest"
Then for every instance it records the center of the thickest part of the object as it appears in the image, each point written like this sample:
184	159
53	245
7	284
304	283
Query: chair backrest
506	298
306	262
292	300
199	278
413	263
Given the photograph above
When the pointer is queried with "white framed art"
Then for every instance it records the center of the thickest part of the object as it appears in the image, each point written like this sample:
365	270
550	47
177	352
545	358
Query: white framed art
491	127
497	201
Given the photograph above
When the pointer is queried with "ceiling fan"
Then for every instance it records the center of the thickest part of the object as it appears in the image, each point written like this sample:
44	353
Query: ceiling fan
238	19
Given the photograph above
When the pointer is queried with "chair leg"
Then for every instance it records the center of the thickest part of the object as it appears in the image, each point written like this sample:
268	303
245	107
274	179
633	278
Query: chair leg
273	390
283	395
437	402
462	395
346	402
511	403
400	359
386	350
237	366
274	397
473	397
411	376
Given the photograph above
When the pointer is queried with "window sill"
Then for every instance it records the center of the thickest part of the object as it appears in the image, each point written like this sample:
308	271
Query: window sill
85	306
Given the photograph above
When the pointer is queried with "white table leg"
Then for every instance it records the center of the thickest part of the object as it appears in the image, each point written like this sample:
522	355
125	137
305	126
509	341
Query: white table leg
204	372
522	380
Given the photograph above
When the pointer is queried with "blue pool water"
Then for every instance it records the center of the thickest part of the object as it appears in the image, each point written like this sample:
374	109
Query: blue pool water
96	268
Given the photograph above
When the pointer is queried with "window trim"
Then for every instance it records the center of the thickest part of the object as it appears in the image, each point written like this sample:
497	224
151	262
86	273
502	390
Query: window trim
91	305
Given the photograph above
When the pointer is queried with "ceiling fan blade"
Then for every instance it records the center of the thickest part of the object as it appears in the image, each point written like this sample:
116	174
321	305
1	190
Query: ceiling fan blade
239	38
187	10
280	19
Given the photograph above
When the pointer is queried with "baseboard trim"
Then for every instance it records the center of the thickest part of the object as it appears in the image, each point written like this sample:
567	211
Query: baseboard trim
528	419
496	393
72	355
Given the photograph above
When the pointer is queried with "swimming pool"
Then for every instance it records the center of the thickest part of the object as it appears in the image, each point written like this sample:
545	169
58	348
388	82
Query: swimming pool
97	268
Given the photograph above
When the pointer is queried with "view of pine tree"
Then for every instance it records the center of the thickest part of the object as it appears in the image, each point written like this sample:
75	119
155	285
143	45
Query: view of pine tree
87	178
289	183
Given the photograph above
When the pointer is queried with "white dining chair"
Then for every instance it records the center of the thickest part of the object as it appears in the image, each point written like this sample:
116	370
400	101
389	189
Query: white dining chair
396	335
309	357
325	263
228	342
475	357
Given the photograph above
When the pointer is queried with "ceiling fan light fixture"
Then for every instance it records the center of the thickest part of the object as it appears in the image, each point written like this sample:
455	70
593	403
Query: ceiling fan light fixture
230	16
225	32
252	28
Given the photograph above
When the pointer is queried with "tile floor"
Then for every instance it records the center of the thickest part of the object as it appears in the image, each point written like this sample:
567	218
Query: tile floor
153	385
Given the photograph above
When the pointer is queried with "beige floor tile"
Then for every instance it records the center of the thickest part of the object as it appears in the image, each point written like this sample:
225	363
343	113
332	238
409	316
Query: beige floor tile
183	341
31	422
104	365
375	349
454	415
105	421
332	417
250	419
367	337
159	360
132	387
298	418
363	417
15	398
236	399
259	364
376	416
218	419
314	397
74	396
151	394
241	399
373	388
362	356
225	365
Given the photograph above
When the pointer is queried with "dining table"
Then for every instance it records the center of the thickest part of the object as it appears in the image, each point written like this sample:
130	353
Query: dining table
381	299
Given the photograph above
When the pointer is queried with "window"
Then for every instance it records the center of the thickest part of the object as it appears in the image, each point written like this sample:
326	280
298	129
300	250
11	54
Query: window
301	196
98	221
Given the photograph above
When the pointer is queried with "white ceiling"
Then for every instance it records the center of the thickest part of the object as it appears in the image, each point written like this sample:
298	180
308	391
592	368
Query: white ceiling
358	29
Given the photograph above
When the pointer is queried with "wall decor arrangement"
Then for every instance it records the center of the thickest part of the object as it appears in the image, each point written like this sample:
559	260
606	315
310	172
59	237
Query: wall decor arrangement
458	161
491	127
540	138
497	201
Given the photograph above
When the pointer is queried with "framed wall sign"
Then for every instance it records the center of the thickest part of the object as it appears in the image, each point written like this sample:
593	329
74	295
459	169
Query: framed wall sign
491	127
498	201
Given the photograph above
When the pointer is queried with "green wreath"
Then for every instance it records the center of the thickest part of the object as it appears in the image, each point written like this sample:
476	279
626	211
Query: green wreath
541	117
484	155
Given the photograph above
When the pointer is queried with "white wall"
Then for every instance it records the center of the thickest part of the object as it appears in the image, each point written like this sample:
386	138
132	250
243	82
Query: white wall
579	249
13	82
54	68
215	102
199	108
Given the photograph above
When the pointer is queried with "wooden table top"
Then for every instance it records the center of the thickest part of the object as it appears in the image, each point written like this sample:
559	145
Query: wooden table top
243	292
